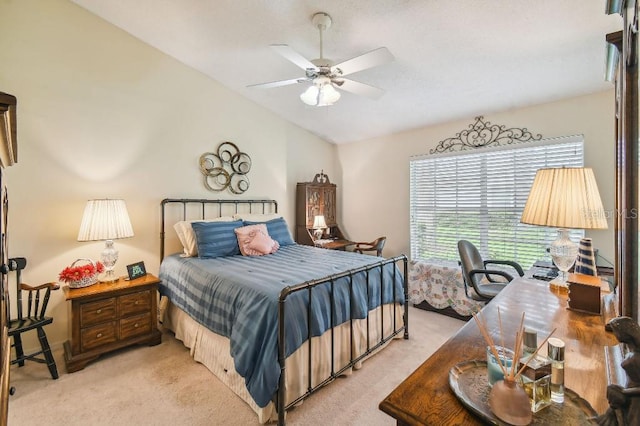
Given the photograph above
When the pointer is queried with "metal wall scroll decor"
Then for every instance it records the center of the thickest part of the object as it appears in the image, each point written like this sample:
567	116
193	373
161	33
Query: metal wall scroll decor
226	169
484	134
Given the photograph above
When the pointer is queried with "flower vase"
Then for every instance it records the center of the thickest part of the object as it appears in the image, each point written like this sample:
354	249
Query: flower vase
586	261
510	403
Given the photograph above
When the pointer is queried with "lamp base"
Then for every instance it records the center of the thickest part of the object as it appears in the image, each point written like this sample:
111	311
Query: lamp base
108	277
109	258
559	284
563	253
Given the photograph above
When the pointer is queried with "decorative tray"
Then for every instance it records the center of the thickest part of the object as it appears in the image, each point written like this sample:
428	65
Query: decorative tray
468	380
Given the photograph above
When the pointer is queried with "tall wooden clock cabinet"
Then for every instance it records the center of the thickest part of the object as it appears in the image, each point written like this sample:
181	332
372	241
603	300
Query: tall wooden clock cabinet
313	199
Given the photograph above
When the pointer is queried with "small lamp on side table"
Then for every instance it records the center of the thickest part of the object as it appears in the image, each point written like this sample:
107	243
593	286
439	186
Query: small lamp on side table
106	220
319	225
566	197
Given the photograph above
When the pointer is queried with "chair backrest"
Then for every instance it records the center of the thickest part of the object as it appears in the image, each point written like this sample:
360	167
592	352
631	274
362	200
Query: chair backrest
38	297
379	245
470	259
17	264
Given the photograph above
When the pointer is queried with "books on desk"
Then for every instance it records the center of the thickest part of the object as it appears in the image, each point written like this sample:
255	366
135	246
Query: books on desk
323	242
544	270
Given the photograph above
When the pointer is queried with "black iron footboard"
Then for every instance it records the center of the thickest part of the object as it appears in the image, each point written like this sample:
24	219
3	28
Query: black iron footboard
308	287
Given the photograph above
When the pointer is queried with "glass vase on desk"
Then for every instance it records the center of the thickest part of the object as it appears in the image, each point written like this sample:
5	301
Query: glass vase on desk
494	372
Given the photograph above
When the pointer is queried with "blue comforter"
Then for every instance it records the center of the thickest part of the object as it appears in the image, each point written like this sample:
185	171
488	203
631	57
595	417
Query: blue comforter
237	297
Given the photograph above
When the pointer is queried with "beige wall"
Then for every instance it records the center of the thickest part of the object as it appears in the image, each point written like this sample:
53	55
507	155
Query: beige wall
102	115
376	172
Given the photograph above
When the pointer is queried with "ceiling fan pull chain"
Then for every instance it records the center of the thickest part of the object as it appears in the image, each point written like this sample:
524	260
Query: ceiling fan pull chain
320	27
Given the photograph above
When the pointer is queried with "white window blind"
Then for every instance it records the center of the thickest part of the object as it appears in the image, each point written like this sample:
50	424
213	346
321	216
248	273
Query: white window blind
479	196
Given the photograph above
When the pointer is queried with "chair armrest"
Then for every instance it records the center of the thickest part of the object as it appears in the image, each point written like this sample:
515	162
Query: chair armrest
52	286
488	272
514	265
364	246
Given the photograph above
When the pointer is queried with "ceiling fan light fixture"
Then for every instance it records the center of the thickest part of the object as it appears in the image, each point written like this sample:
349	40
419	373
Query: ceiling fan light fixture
310	96
328	95
327	76
320	93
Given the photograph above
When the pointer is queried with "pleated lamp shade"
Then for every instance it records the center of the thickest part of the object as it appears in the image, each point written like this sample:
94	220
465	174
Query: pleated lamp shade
565	197
105	220
319	222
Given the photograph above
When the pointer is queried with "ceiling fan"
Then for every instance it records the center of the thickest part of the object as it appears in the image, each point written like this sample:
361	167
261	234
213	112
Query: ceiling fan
324	75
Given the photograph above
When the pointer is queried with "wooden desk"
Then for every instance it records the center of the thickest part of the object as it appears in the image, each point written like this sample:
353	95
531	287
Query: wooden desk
425	397
338	244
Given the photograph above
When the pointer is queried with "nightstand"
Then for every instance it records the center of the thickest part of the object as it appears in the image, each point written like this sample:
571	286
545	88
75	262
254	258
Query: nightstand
109	316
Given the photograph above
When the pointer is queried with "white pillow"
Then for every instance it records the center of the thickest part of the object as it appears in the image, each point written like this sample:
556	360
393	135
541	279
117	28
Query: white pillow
188	238
256	217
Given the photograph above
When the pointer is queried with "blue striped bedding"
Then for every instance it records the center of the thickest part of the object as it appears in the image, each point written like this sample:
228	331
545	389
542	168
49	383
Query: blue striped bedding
237	297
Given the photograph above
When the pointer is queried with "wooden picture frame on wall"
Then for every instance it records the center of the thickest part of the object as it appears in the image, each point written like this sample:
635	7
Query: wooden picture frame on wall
8	130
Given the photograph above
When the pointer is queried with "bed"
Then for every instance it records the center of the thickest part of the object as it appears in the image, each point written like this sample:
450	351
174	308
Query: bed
275	327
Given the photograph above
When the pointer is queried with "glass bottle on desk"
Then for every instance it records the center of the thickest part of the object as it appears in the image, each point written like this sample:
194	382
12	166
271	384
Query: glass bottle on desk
555	350
536	376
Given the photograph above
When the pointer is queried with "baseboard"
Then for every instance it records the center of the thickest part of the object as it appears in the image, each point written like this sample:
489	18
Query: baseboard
448	311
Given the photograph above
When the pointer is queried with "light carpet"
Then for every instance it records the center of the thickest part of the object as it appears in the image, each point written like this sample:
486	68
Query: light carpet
163	385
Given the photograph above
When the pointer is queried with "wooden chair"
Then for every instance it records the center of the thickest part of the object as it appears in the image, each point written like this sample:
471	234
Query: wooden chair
35	319
474	268
376	246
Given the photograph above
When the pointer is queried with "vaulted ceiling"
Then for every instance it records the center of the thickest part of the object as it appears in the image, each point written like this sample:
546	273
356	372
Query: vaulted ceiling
453	59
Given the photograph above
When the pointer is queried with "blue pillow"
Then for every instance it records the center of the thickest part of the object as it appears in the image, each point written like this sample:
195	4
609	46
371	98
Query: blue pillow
278	230
216	239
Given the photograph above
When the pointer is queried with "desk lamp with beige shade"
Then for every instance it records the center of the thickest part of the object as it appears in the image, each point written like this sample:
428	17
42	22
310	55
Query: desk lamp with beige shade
319	225
563	198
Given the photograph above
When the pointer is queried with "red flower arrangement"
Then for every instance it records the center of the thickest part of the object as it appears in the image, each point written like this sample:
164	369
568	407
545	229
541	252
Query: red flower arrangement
76	273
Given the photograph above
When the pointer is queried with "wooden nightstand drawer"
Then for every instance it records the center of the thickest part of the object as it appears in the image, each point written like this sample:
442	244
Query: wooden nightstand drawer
105	317
135	326
96	312
98	335
134	303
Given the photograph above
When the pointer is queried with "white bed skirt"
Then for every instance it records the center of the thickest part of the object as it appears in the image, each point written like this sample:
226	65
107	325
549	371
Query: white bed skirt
213	351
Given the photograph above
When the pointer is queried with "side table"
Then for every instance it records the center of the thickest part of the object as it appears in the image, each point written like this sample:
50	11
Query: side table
109	316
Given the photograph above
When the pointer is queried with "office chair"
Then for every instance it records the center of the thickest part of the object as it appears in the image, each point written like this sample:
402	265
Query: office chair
474	268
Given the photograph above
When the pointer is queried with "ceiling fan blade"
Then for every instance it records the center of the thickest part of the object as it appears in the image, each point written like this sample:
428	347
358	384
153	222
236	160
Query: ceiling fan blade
370	59
293	56
359	88
279	83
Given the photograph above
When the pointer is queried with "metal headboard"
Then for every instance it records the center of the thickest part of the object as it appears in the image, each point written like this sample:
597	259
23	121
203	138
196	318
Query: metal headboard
249	206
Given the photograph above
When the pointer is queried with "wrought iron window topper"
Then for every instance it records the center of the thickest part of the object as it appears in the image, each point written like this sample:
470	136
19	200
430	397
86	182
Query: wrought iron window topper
483	134
226	168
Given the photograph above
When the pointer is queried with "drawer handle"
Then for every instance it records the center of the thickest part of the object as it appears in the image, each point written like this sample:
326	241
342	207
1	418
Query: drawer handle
137	302
136	325
99	311
99	335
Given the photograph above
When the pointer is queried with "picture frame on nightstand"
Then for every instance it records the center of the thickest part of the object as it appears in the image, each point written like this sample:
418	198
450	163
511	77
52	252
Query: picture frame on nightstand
136	270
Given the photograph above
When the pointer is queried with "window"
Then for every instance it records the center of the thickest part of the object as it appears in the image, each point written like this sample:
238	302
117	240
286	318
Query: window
479	196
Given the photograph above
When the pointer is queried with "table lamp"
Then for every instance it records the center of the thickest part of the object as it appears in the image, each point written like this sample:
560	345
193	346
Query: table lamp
106	220
566	197
319	225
